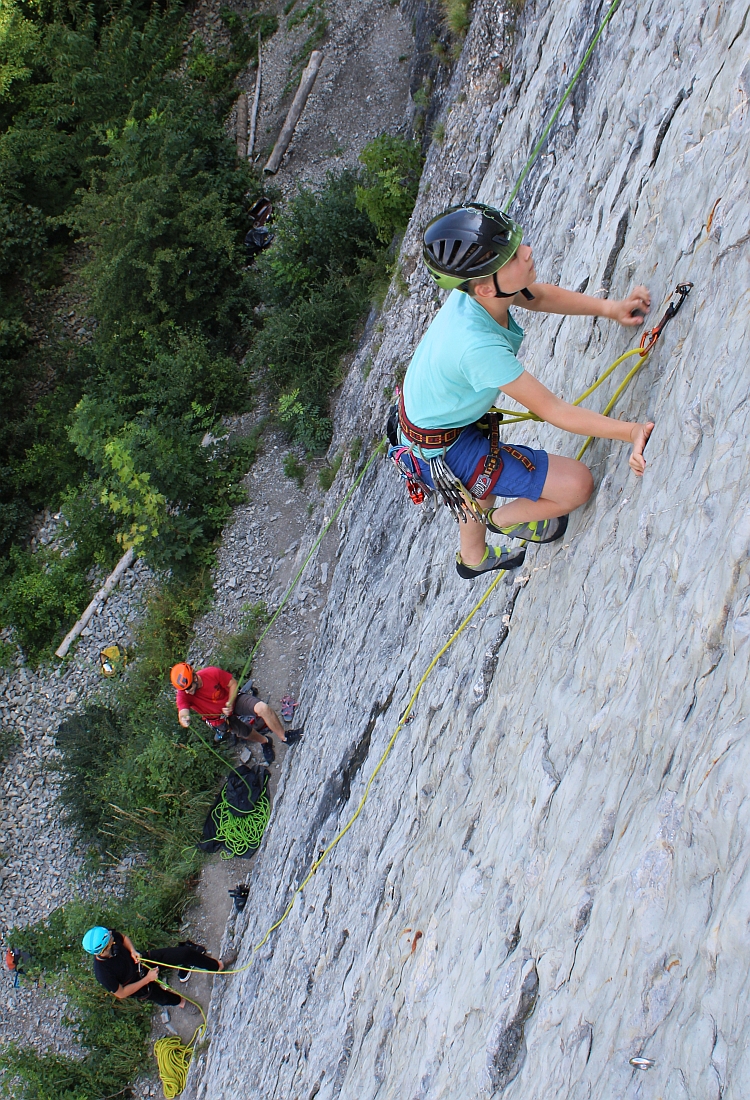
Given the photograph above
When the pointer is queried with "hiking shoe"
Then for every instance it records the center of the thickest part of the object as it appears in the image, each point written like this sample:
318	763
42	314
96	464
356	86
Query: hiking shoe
268	754
293	736
539	530
495	557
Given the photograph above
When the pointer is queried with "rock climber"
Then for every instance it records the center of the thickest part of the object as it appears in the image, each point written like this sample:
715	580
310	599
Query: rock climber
117	966
214	694
468	354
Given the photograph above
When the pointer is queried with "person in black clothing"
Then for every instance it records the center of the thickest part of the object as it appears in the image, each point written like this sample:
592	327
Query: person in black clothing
117	966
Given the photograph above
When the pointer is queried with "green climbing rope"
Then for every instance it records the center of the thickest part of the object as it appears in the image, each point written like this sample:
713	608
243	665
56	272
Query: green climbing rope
545	132
240	832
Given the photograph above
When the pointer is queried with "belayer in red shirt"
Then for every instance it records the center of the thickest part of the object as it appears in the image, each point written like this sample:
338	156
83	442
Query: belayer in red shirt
215	695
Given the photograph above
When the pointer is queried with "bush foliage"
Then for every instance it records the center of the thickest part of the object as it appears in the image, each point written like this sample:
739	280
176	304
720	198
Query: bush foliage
391	180
106	140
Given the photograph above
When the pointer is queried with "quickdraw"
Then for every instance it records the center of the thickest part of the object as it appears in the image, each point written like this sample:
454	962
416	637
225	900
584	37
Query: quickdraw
407	466
650	337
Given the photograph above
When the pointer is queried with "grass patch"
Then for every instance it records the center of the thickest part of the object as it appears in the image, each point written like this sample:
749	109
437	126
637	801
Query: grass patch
233	650
327	475
457	16
294	469
355	449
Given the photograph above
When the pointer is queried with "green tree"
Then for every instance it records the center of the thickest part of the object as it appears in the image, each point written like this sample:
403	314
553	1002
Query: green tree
389	189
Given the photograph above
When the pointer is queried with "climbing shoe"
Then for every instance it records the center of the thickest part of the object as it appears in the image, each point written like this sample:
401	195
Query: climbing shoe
293	736
539	530
495	557
268	754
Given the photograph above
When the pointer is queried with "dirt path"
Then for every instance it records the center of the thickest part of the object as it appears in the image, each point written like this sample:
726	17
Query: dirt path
264	536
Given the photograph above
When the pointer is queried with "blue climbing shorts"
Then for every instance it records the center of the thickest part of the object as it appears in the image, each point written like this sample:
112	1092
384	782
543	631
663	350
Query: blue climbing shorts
513	478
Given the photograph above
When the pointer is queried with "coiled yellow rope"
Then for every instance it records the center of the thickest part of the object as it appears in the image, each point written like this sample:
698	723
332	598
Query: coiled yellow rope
173	1057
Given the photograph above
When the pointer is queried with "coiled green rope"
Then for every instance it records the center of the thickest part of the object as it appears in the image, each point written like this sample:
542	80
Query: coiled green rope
240	832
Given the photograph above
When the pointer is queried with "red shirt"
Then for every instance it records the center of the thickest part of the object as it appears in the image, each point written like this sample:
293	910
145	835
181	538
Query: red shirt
210	698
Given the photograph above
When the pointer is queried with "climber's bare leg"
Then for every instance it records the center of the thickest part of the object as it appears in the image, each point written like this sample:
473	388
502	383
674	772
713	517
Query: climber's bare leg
568	485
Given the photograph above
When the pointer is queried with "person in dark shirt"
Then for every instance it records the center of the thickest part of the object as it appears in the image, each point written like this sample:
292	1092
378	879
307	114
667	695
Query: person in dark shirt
117	966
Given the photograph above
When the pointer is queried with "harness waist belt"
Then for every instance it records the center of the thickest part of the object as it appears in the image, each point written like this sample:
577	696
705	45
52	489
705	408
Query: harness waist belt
426	437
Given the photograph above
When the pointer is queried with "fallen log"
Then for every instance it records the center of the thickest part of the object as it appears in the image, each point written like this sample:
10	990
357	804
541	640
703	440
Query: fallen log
124	563
305	87
242	127
256	101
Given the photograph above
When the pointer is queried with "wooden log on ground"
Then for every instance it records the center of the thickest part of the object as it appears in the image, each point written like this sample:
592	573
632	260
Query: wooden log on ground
124	563
256	101
305	87
242	127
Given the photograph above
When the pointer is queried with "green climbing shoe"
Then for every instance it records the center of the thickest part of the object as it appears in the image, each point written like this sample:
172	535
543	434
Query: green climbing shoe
495	557
539	530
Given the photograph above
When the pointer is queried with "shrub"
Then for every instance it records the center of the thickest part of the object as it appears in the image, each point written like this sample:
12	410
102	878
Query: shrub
389	189
318	234
457	17
10	739
327	475
43	595
294	469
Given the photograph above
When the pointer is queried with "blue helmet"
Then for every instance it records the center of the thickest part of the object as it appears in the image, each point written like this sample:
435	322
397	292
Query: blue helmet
95	940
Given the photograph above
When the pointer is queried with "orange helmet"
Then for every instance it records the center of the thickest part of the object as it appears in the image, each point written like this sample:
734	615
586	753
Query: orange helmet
182	675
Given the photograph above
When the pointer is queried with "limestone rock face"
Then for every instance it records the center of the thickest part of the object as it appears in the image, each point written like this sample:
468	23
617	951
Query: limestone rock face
550	874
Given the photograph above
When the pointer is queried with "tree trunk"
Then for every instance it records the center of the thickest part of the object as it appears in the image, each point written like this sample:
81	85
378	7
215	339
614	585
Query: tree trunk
124	563
242	127
305	87
256	101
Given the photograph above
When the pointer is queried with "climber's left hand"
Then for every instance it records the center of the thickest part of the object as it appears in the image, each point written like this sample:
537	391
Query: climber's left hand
633	309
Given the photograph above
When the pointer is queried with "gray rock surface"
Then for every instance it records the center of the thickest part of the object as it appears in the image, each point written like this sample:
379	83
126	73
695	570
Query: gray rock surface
550	875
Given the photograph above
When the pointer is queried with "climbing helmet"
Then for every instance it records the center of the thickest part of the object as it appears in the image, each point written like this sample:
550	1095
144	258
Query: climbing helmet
469	241
182	675
95	940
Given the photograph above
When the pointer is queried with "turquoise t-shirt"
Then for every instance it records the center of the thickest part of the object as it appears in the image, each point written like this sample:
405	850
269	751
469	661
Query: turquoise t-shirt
460	363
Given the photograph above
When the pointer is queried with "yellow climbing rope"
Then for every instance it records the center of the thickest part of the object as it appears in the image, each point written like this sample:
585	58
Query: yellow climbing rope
173	1057
643	352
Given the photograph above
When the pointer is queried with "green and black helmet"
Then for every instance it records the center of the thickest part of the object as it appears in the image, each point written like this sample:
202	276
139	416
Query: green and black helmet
469	241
